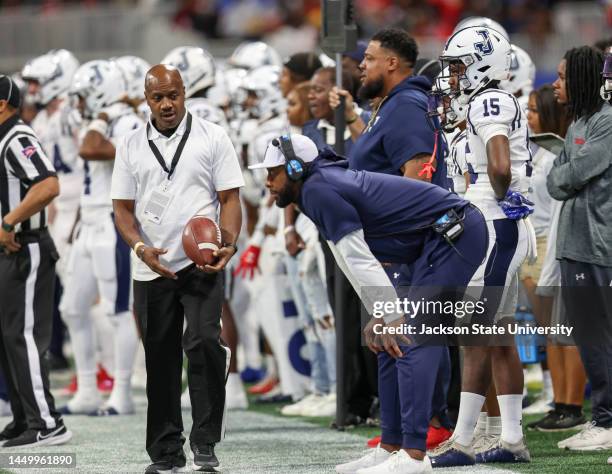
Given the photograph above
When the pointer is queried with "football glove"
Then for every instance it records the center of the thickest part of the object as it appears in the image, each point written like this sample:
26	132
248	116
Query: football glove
515	205
248	262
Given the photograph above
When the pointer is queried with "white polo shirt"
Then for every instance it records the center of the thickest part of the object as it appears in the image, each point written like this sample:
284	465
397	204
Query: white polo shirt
208	164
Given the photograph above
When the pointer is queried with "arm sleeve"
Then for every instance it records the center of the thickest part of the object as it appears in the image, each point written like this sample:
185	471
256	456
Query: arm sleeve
332	214
27	160
123	185
366	274
413	136
226	171
593	158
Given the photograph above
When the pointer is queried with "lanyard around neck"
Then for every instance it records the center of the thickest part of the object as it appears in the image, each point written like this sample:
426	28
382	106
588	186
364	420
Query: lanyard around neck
177	153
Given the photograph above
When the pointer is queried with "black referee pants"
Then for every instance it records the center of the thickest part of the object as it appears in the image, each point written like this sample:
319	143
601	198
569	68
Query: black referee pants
161	306
27	286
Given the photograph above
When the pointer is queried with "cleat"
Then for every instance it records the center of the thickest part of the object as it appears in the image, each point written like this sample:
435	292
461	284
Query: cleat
450	453
436	436
375	441
506	452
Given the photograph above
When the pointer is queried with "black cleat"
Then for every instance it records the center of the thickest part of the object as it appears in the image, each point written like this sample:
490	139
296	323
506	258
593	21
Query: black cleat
46	437
204	459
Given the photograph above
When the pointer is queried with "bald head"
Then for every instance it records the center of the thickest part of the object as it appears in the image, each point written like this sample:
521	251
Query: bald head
165	94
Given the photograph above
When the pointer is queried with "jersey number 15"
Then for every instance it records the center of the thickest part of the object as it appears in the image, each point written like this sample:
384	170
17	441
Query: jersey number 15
491	106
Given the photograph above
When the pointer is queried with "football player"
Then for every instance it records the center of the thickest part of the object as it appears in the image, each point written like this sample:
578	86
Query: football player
478	58
100	261
522	75
134	70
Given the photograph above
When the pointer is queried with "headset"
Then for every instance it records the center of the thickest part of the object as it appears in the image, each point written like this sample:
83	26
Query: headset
294	166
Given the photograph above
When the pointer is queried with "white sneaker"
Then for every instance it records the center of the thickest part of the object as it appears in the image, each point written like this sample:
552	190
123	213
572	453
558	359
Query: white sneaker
326	407
591	438
83	403
400	462
373	457
5	408
235	395
185	399
541	405
296	409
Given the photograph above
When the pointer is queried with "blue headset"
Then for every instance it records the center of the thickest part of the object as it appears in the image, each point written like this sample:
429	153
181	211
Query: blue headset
294	165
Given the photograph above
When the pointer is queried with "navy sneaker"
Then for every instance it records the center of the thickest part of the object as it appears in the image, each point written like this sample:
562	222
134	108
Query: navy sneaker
450	453
506	452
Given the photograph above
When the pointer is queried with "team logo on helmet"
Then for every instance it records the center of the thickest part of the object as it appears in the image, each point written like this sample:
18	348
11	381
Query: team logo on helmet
485	47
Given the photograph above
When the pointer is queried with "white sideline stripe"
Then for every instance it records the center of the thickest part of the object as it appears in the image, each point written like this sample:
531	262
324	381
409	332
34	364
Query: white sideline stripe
28	334
207	246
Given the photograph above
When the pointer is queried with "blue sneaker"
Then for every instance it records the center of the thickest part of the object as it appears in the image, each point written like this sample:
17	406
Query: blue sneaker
250	375
450	453
505	452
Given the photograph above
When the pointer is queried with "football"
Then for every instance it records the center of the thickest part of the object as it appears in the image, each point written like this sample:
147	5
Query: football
201	237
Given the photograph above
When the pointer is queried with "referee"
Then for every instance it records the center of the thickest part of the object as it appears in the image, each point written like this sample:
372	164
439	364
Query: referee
27	279
165	173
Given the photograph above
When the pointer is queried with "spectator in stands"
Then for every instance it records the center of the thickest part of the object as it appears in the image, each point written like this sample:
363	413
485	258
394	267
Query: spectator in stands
297	69
298	110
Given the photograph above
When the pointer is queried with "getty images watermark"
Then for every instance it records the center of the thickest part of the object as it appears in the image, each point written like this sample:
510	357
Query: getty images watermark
411	309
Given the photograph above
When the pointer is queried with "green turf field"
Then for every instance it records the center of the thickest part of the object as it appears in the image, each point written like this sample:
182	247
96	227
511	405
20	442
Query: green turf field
261	441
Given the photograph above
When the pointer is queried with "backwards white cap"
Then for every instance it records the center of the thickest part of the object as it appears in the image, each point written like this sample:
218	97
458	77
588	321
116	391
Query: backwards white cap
303	147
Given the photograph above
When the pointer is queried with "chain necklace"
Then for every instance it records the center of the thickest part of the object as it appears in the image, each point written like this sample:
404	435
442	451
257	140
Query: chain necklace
373	117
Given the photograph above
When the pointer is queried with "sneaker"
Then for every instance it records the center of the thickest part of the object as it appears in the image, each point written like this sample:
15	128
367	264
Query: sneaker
167	467
296	409
550	416
562	422
105	381
204	458
11	431
400	461
591	438
109	410
484	443
541	405
450	453
373	457
46	437
185	399
375	441
82	404
436	436
503	451
235	395
264	386
250	375
326	407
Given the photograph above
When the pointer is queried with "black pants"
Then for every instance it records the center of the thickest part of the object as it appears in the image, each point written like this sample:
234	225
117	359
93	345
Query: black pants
161	305
27	286
587	295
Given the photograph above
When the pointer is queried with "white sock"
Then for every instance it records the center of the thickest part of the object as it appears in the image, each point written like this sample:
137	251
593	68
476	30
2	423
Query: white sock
494	425
481	425
104	334
525	393
82	340
469	411
547	389
511	410
126	344
271	366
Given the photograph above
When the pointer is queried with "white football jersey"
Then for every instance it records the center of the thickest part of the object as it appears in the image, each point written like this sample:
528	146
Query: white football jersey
98	174
204	109
456	162
59	141
490	113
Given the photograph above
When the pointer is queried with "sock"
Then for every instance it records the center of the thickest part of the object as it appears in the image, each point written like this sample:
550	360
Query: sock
547	389
481	425
560	407
511	410
469	410
126	343
81	337
525	393
103	333
271	366
575	410
494	425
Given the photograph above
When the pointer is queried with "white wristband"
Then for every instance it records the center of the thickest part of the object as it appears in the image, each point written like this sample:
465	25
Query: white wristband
288	229
100	126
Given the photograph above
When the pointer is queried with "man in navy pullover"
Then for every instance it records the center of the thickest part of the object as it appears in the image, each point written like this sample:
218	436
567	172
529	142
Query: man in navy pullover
372	217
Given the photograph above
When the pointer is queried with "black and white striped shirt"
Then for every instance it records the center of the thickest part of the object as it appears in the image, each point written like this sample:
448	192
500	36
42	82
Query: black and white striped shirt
23	163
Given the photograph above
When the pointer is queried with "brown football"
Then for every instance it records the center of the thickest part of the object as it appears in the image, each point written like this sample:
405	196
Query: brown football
201	237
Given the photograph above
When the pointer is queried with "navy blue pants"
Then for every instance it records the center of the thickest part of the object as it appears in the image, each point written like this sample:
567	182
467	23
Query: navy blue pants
410	381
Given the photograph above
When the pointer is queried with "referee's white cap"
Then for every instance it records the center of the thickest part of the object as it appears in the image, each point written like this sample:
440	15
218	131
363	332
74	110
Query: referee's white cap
303	148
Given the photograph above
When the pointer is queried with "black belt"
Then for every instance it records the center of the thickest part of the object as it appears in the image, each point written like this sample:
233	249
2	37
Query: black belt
34	235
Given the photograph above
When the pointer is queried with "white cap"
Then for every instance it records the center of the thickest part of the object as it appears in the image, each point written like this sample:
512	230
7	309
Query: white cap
304	148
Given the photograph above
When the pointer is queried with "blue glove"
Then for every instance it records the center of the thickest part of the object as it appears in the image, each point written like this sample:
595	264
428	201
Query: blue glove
515	205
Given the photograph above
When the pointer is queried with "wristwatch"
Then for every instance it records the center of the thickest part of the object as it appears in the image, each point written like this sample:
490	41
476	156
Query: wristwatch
234	246
6	227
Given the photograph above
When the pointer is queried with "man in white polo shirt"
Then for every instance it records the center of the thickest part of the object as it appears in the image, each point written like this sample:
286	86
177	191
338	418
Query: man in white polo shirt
165	173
